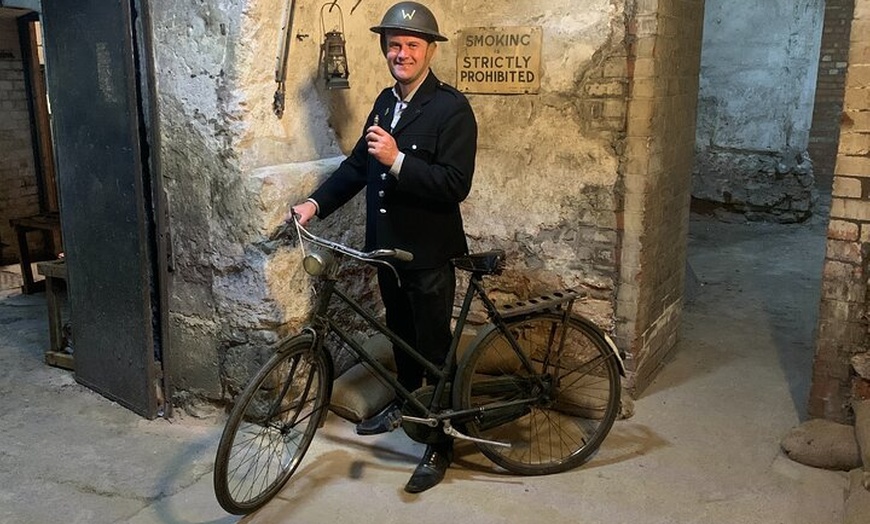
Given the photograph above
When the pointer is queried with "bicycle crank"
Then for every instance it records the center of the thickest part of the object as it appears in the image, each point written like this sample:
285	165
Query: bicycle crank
450	430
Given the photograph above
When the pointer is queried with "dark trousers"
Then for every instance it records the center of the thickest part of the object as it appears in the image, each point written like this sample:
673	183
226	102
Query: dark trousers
419	312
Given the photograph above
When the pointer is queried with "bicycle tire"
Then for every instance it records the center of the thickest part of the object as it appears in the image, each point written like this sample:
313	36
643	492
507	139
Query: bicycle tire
571	397
272	425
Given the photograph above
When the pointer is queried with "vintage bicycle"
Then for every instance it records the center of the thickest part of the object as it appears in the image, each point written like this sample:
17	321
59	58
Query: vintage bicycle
537	390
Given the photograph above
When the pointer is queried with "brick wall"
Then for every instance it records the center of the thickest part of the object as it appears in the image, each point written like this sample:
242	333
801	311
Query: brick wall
18	190
833	59
666	51
843	316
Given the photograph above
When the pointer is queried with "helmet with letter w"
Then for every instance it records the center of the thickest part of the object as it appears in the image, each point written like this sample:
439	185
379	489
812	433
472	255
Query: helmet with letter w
409	17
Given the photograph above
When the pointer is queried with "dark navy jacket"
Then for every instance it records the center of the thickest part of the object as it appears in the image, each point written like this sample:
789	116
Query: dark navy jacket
419	212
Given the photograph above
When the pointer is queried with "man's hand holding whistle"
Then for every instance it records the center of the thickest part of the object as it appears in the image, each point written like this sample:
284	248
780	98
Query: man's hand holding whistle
381	144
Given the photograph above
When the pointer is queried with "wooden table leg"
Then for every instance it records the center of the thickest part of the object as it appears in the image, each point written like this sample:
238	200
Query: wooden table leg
55	323
55	288
24	255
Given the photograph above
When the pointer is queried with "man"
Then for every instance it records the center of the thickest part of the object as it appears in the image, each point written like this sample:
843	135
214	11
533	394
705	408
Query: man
416	160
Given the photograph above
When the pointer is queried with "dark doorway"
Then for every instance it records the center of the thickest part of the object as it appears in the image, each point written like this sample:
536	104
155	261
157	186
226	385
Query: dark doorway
29	226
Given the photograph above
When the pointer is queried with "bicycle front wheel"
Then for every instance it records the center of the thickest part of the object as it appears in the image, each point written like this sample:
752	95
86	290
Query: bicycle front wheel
271	425
554	404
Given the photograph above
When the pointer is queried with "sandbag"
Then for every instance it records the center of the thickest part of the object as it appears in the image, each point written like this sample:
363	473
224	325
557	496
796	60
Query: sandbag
823	444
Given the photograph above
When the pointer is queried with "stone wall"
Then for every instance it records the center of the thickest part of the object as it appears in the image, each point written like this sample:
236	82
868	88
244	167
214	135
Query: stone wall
843	326
758	76
215	128
546	187
19	194
584	184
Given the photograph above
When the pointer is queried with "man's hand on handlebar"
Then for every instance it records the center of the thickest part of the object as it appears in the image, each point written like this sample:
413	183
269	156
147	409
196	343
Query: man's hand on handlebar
303	211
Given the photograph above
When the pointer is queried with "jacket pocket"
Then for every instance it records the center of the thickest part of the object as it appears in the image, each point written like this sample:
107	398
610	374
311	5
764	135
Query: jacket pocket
419	145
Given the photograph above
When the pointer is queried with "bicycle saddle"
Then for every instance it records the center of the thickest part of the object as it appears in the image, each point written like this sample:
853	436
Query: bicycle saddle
486	263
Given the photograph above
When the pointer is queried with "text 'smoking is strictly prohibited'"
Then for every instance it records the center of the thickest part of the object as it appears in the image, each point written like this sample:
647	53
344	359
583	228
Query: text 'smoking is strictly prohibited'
499	60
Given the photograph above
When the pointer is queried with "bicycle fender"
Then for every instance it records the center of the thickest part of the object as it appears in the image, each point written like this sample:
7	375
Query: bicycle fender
620	363
309	333
600	332
616	353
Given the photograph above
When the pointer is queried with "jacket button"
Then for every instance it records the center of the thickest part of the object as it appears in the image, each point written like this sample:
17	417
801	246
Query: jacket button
414	146
383	176
381	193
383	211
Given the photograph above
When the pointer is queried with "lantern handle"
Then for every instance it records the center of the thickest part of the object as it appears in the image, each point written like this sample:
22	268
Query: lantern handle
340	16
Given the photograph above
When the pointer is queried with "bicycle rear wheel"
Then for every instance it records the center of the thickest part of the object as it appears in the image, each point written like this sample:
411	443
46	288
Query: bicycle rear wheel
271	425
555	408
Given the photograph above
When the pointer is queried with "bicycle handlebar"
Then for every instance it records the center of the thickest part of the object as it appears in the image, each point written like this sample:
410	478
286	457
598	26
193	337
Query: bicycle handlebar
398	254
375	256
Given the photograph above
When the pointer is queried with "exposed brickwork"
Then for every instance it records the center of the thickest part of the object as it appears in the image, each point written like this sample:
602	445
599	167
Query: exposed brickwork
605	91
18	190
843	316
666	54
833	61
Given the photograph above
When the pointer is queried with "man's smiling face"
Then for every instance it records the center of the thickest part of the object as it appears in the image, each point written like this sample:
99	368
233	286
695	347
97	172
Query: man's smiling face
408	57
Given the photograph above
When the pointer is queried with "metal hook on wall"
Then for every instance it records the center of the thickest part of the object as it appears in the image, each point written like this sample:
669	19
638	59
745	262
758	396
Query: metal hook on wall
352	9
281	66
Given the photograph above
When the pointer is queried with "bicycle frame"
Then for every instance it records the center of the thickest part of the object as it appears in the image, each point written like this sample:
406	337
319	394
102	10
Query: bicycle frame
322	322
537	390
536	382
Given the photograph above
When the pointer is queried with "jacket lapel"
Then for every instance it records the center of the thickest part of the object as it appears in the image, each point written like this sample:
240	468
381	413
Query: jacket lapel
417	103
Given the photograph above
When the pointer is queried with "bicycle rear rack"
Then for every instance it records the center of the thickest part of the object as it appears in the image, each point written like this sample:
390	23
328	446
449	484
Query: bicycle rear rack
552	301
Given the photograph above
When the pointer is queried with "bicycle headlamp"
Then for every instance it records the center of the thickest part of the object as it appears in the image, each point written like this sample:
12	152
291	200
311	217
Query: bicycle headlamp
316	264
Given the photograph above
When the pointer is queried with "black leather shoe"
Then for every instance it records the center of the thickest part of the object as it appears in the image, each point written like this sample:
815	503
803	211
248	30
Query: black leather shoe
386	420
431	469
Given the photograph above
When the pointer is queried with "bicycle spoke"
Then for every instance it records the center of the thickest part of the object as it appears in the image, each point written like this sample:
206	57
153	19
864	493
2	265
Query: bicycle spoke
572	384
271	427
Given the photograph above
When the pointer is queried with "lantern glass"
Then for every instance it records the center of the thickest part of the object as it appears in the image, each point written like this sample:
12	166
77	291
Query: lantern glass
335	61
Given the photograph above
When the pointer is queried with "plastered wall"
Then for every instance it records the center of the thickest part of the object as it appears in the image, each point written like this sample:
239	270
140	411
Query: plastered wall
576	182
758	77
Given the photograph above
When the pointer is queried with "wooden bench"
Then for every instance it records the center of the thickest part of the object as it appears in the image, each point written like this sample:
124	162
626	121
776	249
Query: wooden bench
47	222
55	287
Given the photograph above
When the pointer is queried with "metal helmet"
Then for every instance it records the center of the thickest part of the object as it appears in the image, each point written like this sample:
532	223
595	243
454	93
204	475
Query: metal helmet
412	17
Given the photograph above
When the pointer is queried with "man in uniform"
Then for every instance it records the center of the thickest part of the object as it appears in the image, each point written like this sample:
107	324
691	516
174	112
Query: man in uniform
416	160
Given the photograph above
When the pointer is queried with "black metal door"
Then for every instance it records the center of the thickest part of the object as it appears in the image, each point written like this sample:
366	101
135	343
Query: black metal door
98	94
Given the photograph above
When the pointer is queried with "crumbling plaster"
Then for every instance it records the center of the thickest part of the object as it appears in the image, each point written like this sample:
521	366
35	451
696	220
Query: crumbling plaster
546	186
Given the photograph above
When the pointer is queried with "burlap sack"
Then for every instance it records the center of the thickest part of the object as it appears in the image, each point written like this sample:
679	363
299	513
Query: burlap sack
823	444
358	394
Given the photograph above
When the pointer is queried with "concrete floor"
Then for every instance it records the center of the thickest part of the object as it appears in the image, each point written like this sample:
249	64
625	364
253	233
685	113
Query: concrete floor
702	447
